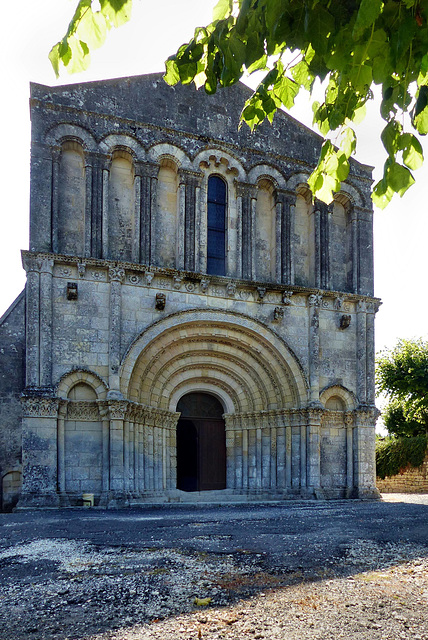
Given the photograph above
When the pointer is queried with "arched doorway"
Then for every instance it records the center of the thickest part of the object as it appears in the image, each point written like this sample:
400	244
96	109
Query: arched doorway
201	443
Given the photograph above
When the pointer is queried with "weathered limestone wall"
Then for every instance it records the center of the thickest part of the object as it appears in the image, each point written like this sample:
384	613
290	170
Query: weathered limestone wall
12	382
123	320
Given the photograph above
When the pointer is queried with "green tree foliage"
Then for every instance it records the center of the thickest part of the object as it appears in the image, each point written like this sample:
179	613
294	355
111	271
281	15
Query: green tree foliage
394	455
349	46
88	30
402	373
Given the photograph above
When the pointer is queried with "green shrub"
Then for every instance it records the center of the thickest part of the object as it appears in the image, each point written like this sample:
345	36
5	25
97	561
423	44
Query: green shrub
394	455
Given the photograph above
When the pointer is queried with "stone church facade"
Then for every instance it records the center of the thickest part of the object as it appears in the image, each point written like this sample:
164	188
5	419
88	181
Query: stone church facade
193	326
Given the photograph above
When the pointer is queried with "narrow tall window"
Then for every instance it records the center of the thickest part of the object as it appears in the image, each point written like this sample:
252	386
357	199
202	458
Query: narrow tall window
216	236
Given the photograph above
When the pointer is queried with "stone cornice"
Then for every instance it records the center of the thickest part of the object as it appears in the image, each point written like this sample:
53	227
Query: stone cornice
192	282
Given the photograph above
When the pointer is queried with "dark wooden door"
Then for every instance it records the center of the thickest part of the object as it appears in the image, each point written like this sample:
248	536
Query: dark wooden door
201	444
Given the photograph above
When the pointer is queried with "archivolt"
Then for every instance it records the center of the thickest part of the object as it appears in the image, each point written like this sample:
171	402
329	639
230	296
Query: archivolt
251	365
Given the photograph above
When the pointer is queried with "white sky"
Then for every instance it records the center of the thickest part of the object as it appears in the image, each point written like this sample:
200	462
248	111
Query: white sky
27	31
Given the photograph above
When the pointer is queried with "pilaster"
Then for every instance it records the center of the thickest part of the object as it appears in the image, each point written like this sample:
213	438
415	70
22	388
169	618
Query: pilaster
247	198
191	180
314	303
286	202
116	277
361	354
364	453
39	452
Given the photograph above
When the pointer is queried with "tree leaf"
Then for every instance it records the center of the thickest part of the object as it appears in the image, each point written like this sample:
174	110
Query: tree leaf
413	156
222	10
399	178
368	12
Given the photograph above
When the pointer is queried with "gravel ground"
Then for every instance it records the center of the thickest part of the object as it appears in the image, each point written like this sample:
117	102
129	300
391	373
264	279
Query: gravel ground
58	584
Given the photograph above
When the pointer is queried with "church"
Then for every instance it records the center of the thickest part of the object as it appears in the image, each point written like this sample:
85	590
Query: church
194	327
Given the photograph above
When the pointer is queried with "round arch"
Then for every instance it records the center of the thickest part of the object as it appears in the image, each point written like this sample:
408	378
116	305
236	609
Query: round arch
70	379
338	391
227	354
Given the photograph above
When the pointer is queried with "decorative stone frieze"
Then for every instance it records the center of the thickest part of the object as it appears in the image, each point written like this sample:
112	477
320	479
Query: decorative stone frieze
39	407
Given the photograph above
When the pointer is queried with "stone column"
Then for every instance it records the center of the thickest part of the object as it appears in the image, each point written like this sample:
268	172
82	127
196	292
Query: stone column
39	452
148	188
286	202
247	198
56	158
191	181
314	303
265	452
280	451
38	320
105	419
361	352
117	412
365	250
88	208
354	279
230	452
349	425
96	191
41	198
273	480
372	308
313	447
136	240
288	452
32	322
46	321
62	412
116	277
105	252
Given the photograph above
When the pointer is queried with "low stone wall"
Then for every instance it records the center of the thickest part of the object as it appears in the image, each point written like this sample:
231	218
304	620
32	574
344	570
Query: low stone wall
412	480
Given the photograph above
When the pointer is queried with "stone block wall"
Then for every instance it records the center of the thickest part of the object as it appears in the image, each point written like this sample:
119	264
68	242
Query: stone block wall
12	382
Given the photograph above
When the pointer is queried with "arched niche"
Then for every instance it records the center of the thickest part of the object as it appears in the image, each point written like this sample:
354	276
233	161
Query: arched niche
338	395
122	243
166	219
336	441
341	262
71	199
303	234
82	439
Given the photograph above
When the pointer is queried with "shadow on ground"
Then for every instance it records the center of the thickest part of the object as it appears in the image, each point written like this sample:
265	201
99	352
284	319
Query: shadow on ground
77	573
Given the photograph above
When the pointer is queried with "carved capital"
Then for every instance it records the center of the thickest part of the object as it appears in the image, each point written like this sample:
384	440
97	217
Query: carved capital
315	300
245	190
146	169
117	409
286	297
190	178
81	269
204	284
261	291
361	306
37	263
116	274
231	289
349	418
177	282
338	303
